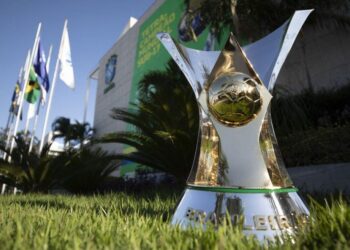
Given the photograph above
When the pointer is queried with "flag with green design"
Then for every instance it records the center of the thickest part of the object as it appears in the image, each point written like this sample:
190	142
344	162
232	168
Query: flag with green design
32	92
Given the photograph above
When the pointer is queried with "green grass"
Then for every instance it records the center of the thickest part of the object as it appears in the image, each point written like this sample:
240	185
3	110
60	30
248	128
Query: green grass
121	221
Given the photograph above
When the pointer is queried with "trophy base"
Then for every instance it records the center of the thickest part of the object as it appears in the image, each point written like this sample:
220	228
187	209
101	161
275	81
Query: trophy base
265	213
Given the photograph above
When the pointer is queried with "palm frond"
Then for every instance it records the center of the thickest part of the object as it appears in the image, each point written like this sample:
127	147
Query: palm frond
165	122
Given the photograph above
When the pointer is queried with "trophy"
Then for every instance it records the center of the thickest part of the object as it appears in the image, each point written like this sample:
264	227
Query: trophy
238	173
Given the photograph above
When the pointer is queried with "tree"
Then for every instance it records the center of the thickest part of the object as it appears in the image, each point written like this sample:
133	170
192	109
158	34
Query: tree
80	171
28	171
165	122
85	170
3	136
76	133
81	132
61	128
253	19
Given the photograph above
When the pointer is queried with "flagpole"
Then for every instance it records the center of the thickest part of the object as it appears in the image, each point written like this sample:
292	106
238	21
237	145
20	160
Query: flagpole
52	90
49	60
3	186
9	118
27	121
87	94
26	78
12	117
29	111
11	113
8	126
39	103
8	121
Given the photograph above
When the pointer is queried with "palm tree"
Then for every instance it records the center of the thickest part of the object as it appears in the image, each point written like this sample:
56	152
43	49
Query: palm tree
76	133
3	135
61	128
85	170
81	132
165	122
76	171
28	171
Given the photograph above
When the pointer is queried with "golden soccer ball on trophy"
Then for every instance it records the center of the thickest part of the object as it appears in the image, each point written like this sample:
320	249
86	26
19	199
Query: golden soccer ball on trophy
234	99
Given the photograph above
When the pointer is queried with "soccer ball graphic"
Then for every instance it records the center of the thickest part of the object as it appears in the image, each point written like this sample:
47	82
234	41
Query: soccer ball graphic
234	99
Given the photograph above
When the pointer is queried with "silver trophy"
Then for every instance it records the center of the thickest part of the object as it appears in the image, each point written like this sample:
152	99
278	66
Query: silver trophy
238	173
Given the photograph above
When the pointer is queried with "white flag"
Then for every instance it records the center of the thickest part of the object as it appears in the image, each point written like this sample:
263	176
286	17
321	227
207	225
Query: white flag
66	72
31	111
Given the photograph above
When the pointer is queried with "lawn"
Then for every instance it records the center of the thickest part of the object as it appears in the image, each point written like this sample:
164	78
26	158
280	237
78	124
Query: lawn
126	221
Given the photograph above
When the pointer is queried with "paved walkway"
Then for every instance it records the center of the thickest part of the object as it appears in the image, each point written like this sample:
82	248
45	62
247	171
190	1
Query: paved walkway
322	178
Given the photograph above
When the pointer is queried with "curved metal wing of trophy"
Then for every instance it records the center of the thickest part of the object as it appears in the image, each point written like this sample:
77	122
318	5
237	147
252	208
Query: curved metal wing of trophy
237	150
269	53
195	64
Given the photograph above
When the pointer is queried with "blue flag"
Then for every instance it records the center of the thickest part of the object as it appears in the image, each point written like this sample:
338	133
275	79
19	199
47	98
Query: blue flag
39	64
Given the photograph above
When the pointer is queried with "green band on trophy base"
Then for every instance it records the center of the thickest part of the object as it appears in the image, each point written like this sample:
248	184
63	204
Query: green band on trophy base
243	190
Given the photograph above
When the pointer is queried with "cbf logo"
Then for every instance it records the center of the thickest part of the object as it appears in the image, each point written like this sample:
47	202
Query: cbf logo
110	71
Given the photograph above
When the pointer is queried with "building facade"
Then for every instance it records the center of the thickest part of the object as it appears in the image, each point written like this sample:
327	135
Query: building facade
113	90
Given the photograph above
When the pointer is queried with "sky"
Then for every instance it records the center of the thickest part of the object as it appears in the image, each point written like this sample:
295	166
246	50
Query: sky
93	26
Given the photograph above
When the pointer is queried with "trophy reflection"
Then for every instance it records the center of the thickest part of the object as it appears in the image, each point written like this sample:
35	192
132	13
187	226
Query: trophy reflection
238	170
